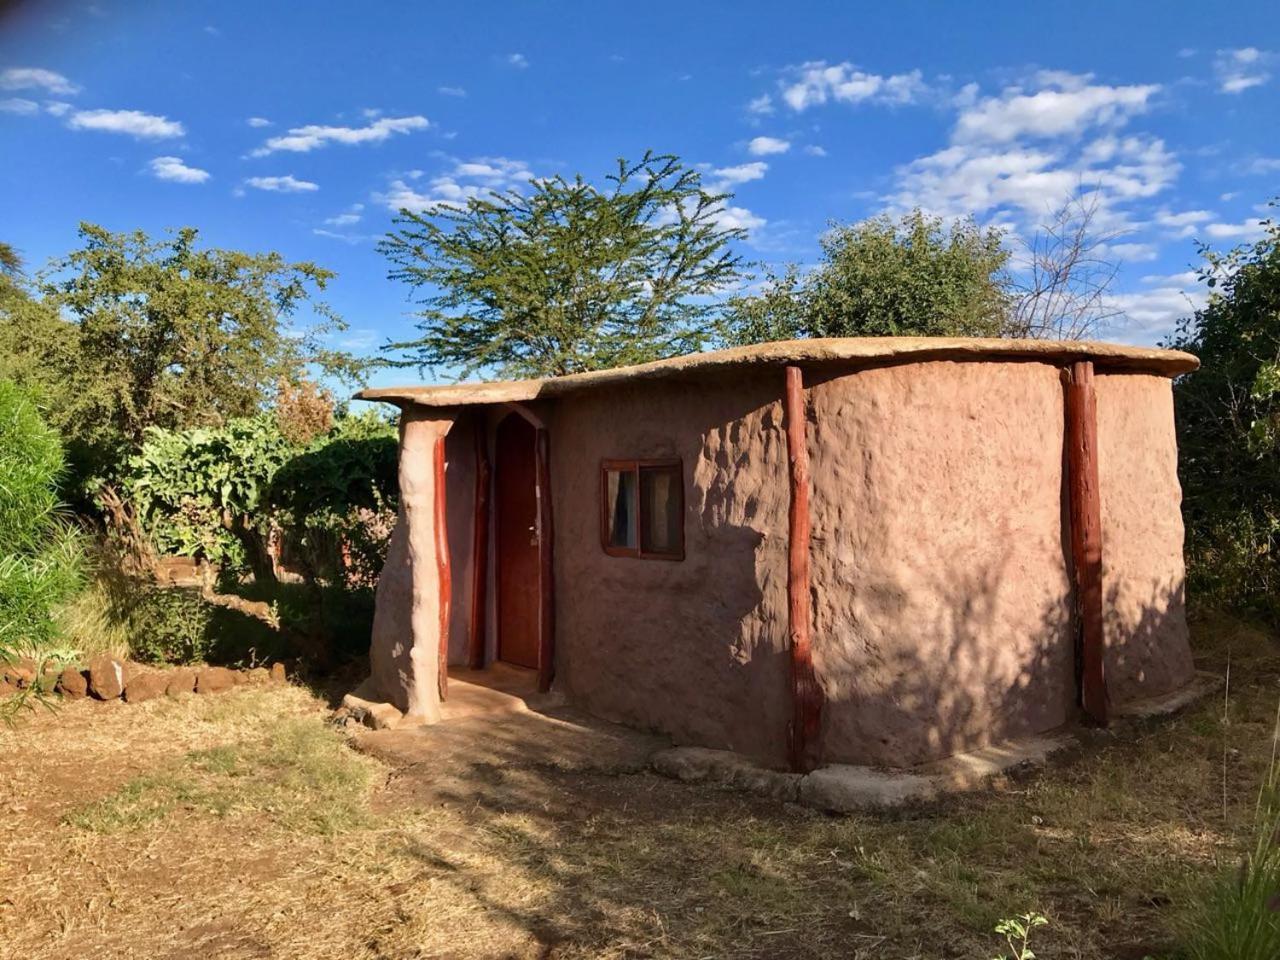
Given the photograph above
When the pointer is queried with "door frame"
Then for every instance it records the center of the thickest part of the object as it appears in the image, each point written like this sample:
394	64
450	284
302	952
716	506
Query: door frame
546	538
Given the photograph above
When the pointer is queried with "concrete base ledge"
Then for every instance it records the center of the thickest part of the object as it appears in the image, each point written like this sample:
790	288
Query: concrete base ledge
843	788
1201	685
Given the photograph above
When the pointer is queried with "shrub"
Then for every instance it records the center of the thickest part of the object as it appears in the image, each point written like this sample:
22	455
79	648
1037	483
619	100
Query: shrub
1228	418
171	625
41	555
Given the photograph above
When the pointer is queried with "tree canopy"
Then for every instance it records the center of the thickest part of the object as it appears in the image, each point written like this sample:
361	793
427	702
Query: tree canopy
567	276
1228	418
883	277
131	332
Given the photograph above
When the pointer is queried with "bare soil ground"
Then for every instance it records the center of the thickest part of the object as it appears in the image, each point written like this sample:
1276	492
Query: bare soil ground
245	825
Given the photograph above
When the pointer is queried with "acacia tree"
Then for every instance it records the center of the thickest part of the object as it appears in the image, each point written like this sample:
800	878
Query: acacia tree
163	333
567	276
916	276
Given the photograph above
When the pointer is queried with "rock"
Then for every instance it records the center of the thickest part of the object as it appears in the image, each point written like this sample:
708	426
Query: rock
145	685
72	684
214	679
106	677
277	673
180	680
239	677
129	670
700	764
844	789
377	716
21	673
7	689
258	675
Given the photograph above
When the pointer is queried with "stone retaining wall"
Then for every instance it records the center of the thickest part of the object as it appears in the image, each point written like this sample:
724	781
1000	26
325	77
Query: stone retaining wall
107	678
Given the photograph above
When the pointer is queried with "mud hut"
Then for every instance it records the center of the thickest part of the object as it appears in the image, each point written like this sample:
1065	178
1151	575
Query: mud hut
865	551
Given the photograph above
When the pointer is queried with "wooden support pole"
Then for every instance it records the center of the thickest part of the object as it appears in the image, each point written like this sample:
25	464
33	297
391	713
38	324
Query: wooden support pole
806	695
1086	533
479	549
546	541
441	519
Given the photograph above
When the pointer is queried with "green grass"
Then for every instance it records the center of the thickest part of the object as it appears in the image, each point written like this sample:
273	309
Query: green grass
302	776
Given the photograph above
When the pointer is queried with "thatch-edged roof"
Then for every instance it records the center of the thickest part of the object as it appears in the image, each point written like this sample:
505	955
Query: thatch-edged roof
845	350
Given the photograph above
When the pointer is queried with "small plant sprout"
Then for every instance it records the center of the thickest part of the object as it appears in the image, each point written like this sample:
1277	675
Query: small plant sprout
1017	935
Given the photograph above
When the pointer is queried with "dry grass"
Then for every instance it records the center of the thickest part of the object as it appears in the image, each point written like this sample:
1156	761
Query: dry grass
242	826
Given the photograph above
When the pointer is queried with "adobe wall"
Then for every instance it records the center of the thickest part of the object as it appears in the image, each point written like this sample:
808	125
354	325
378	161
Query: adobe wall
694	648
1144	619
939	567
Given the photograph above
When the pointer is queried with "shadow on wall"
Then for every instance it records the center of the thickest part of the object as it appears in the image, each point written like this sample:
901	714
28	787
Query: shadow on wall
955	690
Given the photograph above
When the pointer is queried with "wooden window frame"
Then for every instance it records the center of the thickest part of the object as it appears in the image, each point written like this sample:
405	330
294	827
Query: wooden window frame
635	466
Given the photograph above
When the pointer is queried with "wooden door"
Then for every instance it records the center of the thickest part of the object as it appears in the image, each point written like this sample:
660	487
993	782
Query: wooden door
518	567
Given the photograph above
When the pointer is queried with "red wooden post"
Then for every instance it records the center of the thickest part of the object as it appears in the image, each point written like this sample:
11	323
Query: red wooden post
806	695
440	516
546	540
480	550
1086	533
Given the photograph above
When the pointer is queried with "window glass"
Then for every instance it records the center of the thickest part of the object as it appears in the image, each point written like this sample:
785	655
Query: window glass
620	493
660	509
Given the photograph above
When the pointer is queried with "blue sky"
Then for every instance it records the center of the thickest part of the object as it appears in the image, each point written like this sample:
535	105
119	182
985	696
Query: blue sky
273	128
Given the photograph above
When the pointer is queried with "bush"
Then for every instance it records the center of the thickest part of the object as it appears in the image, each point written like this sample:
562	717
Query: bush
1228	417
41	555
171	625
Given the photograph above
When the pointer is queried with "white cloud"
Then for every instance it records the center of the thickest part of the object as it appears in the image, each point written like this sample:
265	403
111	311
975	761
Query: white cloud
352	238
19	105
172	168
518	60
314	136
478	177
1186	52
1152	314
258	122
1188	278
742	173
1184	223
1247	230
135	123
761	105
814	83
1066	104
56	108
285	184
351	215
765	146
451	91
739	218
1238	70
29	78
814	150
1017	156
1129	252
1261	166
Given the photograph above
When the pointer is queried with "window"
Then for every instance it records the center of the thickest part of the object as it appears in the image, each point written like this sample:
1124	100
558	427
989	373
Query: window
642	509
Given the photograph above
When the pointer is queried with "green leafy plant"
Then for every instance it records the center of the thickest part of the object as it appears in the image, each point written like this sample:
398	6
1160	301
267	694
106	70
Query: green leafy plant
41	554
1228	419
1017	935
171	625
